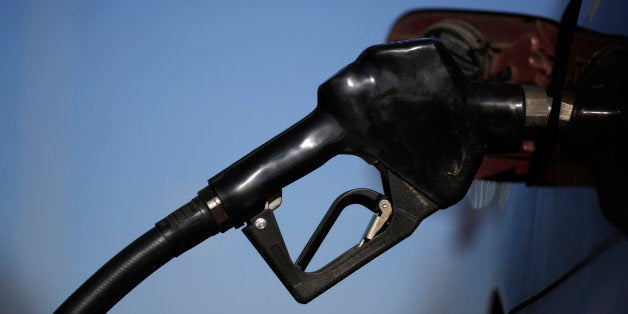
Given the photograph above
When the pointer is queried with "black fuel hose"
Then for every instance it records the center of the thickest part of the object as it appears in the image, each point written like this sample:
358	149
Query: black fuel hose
178	232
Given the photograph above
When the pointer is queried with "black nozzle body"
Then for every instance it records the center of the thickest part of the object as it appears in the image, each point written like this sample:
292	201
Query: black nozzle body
404	106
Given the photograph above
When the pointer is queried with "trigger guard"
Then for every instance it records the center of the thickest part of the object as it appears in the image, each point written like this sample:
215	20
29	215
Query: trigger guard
410	208
365	197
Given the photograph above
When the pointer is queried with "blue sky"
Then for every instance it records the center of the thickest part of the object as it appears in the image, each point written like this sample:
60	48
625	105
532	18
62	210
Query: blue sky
116	112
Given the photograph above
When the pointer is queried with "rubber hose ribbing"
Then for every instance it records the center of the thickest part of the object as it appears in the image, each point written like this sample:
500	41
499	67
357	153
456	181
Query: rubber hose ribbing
183	229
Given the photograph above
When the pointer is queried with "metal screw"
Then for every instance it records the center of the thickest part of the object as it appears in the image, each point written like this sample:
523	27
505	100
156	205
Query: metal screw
260	223
384	204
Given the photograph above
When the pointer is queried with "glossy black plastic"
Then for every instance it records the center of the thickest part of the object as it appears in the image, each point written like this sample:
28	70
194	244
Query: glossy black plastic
409	106
405	107
245	186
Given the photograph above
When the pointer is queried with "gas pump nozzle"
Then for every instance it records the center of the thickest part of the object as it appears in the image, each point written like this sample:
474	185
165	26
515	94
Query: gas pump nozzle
406	109
403	107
